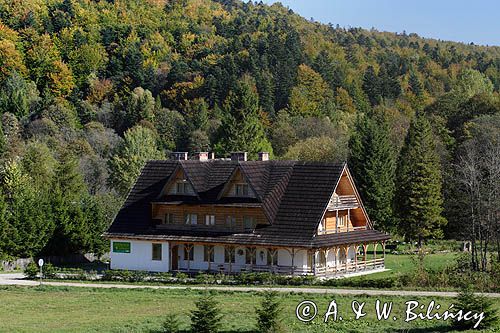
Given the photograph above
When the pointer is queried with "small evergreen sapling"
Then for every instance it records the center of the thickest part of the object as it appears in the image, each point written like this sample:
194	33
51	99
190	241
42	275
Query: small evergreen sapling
171	324
468	301
268	314
206	318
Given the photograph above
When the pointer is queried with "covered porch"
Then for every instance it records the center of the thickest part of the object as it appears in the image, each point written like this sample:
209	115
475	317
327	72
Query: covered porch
331	261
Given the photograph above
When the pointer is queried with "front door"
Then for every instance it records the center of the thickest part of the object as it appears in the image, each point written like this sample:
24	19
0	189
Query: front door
175	257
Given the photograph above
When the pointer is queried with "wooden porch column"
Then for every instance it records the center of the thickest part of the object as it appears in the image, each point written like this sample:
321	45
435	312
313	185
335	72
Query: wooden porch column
314	261
188	251
210	251
364	253
231	250
346	257
383	251
253	256
293	261
337	250
356	257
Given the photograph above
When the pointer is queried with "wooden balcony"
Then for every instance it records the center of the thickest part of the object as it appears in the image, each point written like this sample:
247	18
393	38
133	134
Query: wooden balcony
341	229
343	202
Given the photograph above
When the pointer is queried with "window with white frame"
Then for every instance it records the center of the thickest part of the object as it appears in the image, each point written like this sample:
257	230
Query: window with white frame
209	219
191	219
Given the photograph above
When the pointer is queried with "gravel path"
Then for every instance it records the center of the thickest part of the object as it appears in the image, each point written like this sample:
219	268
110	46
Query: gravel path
18	279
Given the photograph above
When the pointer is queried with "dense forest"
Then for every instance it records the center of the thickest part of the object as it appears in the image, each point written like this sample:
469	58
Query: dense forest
91	89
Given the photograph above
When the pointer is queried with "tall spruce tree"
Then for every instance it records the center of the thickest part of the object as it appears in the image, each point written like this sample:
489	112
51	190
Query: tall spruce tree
242	128
372	163
419	200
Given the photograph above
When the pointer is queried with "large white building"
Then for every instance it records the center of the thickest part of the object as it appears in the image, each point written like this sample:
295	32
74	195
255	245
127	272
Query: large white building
236	215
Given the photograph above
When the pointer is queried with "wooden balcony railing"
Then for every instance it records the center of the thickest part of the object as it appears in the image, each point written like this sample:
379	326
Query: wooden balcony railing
341	229
343	202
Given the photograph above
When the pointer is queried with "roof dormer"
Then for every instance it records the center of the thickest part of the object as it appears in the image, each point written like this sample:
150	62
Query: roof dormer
179	184
238	186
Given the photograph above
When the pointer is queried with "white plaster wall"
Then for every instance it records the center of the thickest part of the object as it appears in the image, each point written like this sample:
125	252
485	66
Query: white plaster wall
140	257
300	259
284	258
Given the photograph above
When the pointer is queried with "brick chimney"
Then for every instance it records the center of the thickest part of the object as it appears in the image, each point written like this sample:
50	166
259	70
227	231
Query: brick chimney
239	156
263	156
179	155
201	156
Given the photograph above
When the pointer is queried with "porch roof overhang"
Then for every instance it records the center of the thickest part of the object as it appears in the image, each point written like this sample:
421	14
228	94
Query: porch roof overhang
254	239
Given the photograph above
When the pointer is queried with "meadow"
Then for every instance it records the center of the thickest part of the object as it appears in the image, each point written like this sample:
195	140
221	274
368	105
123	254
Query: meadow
71	309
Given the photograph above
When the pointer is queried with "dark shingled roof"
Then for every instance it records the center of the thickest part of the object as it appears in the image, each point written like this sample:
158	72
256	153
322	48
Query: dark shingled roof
293	195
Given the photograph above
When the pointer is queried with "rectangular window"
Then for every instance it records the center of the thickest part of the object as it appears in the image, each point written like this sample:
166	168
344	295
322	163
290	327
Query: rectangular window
229	256
230	222
189	255
169	218
208	253
183	187
341	221
121	247
250	257
209	219
249	223
274	259
156	251
241	190
191	219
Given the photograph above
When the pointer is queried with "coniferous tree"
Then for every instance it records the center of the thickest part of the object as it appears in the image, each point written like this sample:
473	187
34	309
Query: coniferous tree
419	200
268	314
206	318
371	85
372	162
416	86
242	128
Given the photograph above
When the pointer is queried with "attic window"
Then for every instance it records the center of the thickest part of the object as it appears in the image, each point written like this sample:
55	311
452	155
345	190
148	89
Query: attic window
241	190
183	187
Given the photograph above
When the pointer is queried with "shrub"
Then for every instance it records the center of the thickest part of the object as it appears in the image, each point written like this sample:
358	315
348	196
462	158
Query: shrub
171	324
49	271
31	270
468	301
268	314
181	277
206	318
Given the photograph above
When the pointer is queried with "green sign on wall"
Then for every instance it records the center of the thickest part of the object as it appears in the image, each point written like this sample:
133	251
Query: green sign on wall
121	247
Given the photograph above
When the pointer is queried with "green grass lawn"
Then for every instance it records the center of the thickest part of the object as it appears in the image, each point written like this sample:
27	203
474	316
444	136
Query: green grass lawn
63	309
405	263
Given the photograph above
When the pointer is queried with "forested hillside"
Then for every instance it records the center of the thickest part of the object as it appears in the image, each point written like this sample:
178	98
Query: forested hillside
90	90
